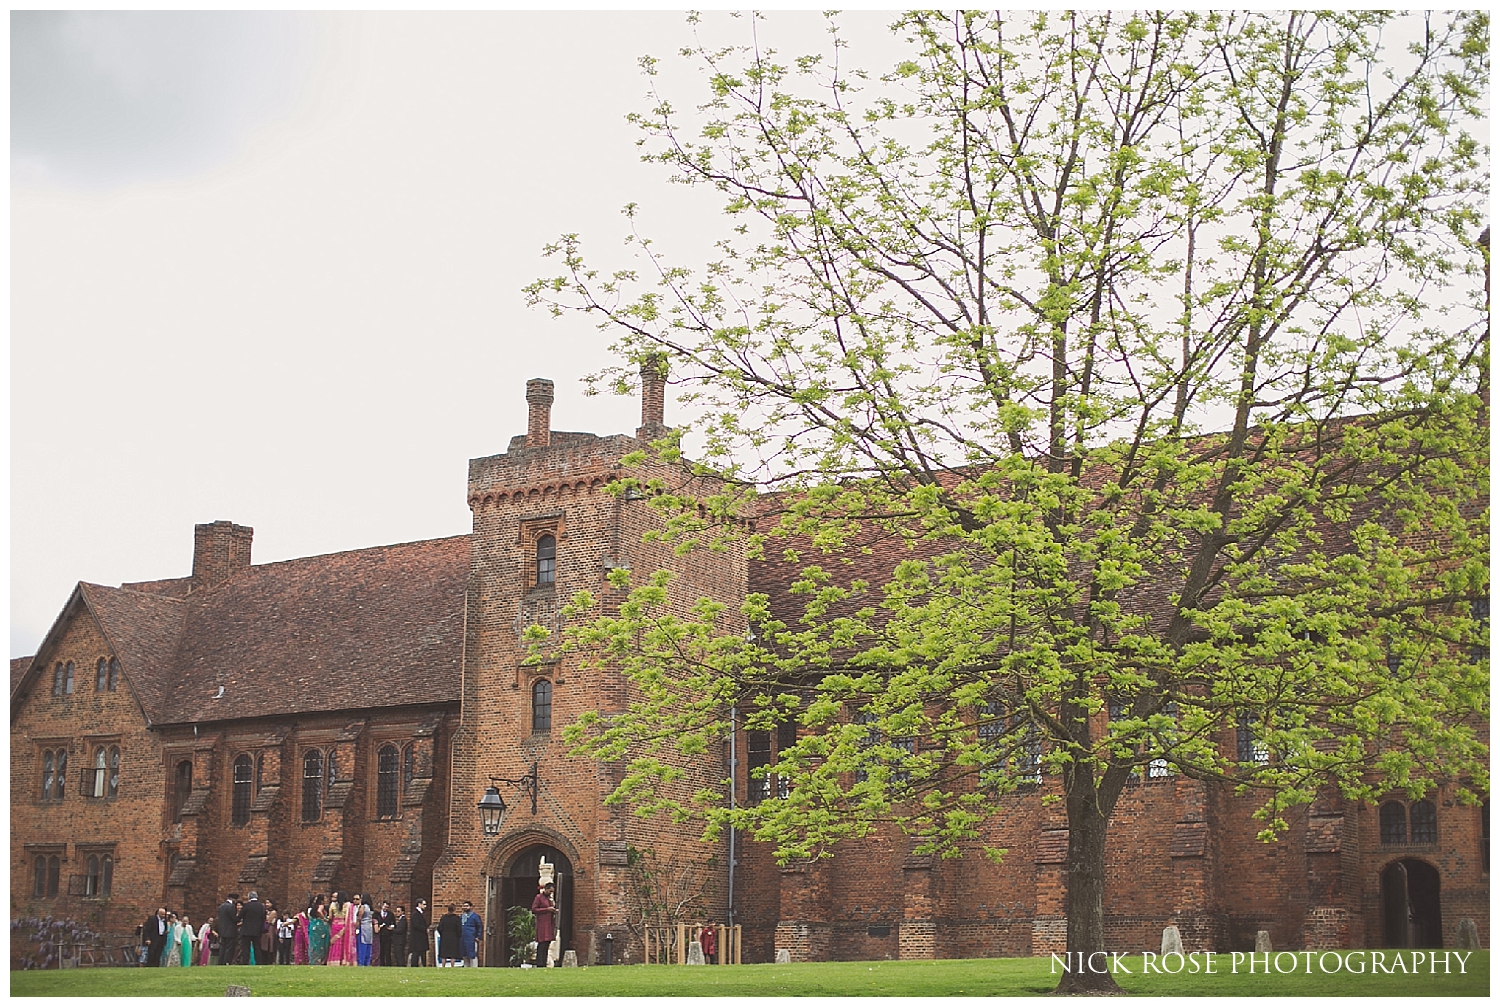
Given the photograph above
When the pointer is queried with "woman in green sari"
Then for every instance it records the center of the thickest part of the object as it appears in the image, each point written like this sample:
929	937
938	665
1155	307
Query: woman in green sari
184	935
317	934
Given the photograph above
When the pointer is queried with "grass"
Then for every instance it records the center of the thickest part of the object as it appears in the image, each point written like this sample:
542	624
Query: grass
948	977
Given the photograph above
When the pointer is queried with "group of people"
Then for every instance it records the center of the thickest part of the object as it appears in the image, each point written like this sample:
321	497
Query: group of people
332	930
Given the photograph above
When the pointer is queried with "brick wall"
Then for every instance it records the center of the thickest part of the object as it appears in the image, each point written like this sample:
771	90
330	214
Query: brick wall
128	826
553	483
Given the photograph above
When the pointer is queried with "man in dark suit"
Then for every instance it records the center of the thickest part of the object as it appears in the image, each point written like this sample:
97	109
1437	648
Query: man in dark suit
416	937
252	925
399	929
385	928
154	933
228	930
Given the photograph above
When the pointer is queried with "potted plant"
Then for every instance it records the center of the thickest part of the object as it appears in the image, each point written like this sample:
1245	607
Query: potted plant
522	929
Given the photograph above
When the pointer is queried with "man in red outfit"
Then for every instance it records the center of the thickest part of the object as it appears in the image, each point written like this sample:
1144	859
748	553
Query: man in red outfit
546	922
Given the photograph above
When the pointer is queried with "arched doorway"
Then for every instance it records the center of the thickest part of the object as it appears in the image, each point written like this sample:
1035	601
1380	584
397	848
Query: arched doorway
1411	904
518	887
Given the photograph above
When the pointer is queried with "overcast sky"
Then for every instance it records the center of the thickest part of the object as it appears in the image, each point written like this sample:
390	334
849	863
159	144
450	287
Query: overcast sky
267	267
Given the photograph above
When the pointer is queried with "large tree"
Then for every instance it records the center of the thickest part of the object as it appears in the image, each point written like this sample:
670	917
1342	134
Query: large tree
1117	386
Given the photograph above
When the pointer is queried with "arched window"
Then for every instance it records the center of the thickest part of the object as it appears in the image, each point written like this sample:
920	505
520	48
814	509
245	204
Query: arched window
39	881
908	748
1247	748
758	748
114	771
1392	824
114	674
1026	756
49	775
57	679
101	675
786	739
312	785
239	812
182	788
541	706
333	768
107	875
62	775
1424	822
546	559
91	876
408	767
387	781
68	678
54	875
101	773
871	739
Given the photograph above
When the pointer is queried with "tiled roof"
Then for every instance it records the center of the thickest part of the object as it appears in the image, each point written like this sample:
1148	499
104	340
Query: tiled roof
352	630
144	630
18	666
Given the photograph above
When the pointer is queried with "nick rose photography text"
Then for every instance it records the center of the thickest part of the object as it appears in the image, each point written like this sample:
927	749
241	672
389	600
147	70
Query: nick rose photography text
1267	962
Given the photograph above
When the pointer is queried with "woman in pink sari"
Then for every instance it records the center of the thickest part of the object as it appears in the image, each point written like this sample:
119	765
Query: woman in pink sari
341	939
299	940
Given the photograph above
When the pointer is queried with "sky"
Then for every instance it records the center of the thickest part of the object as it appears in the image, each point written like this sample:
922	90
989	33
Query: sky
267	267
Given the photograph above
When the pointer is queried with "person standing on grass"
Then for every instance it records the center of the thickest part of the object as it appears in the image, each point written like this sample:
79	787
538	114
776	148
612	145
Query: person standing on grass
187	941
225	926
299	937
206	938
709	938
286	931
385	925
364	931
265	945
400	927
449	931
416	941
252	925
171	955
154	936
546	922
471	929
340	945
319	937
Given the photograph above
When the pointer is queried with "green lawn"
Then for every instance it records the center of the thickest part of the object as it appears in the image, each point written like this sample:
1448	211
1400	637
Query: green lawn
969	977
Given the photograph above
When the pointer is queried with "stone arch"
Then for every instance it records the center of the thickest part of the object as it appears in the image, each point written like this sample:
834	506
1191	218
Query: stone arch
504	888
1411	904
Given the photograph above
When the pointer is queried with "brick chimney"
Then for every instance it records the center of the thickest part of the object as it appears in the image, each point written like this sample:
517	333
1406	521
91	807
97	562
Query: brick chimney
653	397
538	413
220	550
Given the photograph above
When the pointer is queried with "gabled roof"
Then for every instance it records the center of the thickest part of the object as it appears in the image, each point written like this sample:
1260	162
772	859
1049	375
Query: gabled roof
18	666
143	630
352	630
364	629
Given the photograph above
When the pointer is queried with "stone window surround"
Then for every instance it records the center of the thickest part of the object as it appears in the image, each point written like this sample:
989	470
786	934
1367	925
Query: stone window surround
53	745
530	532
101	850
92	744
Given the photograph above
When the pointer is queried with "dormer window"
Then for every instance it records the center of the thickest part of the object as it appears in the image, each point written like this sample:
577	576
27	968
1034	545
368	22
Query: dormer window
546	560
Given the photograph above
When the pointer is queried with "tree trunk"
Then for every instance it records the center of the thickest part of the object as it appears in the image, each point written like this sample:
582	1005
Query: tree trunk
1089	966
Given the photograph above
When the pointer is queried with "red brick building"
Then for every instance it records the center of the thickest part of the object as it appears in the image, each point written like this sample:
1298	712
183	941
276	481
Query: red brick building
332	722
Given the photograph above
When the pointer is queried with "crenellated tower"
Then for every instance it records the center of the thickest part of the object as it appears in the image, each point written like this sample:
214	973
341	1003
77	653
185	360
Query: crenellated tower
545	527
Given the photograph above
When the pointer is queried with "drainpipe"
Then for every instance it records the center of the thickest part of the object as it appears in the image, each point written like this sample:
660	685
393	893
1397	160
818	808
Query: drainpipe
734	763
